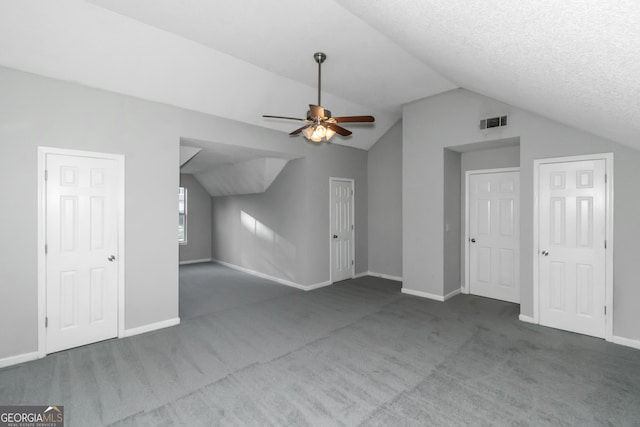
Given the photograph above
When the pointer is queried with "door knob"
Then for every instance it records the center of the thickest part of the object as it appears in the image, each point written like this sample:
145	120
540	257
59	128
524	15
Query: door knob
473	240
335	236
545	253
112	258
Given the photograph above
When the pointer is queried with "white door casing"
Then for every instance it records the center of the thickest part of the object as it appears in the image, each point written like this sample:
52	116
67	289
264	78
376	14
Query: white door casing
342	228
82	278
493	230
572	234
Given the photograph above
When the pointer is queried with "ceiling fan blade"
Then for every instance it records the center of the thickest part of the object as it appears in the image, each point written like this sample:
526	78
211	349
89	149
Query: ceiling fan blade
338	129
354	119
316	111
282	117
297	131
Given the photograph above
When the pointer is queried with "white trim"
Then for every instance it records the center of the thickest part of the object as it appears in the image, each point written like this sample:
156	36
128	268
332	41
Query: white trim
628	342
608	158
452	294
273	278
316	286
353	229
423	294
527	319
151	327
363	274
195	261
20	358
41	232
384	276
121	247
466	288
42	266
463	288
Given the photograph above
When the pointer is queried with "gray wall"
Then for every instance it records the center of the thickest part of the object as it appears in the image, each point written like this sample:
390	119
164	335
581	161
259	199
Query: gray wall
491	158
385	204
198	245
338	162
451	119
290	235
265	232
451	208
36	111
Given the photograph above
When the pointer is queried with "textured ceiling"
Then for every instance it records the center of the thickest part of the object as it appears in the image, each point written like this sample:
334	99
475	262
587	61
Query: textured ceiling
576	61
573	61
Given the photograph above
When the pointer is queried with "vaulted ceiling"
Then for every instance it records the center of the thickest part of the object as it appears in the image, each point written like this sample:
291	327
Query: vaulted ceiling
575	61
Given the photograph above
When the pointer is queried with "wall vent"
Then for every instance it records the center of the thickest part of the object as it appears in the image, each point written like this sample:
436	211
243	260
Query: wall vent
493	122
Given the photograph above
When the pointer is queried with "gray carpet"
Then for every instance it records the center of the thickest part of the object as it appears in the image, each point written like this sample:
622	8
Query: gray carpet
356	353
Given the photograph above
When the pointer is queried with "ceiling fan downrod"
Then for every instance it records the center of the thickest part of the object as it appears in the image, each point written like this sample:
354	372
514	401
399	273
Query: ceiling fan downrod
320	58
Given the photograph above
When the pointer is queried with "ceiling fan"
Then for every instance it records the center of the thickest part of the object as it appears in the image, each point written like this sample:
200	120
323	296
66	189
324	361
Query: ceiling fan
319	124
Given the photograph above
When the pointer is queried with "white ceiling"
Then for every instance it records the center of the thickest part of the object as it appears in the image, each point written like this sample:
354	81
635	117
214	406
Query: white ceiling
575	61
214	154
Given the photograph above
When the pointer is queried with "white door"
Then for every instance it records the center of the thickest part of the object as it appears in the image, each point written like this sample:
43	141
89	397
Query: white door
81	223
342	257
572	229
494	243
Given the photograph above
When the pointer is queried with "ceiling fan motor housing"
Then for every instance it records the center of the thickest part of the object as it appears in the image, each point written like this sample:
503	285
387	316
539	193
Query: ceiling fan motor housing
327	115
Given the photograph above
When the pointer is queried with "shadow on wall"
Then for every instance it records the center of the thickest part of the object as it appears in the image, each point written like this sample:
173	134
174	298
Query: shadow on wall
269	250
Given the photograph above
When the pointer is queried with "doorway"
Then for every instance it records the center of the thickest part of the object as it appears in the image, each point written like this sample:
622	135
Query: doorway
573	232
342	229
493	236
81	250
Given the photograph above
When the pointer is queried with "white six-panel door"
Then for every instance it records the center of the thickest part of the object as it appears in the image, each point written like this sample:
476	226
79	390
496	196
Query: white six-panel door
81	221
493	230
342	224
571	255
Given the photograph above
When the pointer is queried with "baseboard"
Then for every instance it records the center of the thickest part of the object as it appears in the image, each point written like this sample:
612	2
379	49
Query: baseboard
423	294
451	294
195	261
628	342
385	276
527	319
151	327
363	274
20	358
316	286
273	278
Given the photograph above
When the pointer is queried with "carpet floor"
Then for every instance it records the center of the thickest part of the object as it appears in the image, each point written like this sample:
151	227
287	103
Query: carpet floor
253	353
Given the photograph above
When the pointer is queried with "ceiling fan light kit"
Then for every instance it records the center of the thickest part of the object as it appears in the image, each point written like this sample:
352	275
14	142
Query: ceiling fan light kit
319	123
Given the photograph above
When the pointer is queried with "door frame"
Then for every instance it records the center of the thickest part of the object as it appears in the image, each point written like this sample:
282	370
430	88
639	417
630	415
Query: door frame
353	229
41	232
466	288
608	158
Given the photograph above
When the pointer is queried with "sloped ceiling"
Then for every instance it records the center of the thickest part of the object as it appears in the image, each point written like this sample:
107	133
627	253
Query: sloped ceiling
573	61
224	169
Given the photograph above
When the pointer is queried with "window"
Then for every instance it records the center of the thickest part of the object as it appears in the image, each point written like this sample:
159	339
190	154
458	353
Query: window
182	215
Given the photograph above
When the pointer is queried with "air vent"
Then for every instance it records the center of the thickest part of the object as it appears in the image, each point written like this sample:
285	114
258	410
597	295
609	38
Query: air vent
493	122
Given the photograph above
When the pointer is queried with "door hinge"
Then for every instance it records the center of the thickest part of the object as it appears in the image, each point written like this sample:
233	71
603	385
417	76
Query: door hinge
46	249
46	322
605	178
352	262
352	226
46	175
605	244
605	309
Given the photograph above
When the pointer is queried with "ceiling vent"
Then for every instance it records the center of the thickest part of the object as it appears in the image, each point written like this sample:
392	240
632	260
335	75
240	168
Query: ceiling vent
493	122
